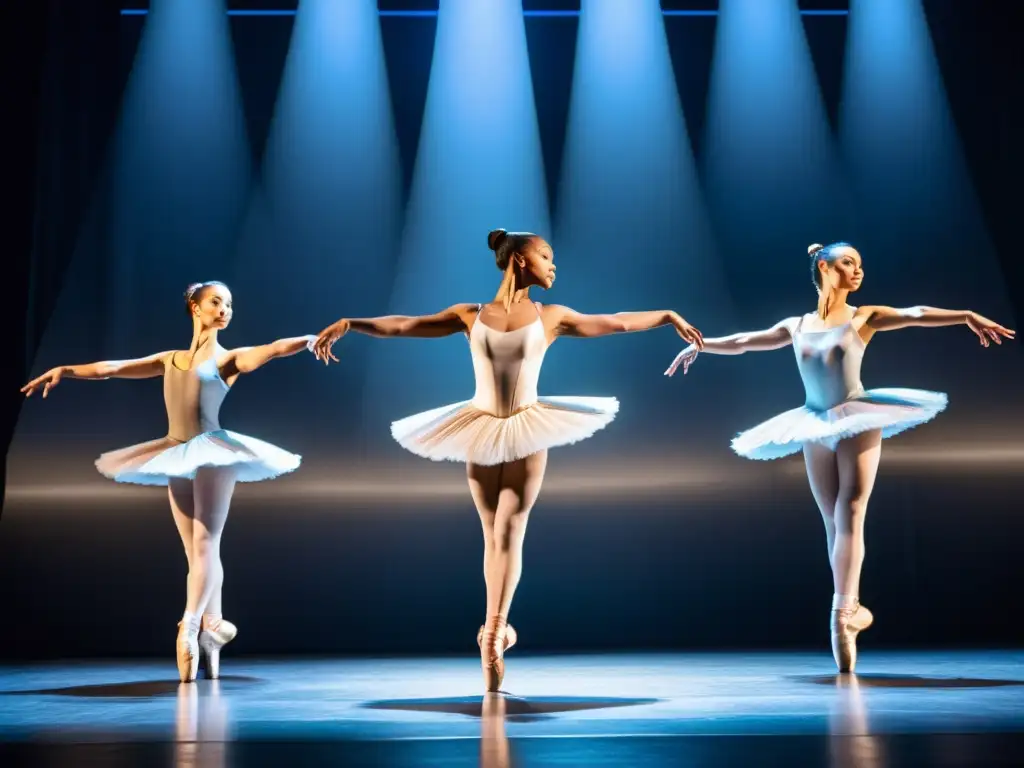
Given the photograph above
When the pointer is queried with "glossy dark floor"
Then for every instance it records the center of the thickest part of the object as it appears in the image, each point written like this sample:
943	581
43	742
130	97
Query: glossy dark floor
940	709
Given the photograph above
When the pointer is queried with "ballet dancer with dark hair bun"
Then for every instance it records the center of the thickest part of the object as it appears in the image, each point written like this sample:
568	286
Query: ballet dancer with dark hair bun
841	425
503	434
198	461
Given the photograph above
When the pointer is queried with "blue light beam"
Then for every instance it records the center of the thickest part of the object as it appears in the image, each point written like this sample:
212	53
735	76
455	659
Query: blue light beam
901	146
632	227
772	172
478	166
167	213
182	165
323	229
925	241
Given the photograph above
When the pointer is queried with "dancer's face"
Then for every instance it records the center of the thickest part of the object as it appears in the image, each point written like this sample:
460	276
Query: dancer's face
214	307
845	272
537	262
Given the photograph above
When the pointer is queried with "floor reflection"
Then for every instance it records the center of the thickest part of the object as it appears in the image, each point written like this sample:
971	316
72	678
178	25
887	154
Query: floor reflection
201	727
495	751
851	742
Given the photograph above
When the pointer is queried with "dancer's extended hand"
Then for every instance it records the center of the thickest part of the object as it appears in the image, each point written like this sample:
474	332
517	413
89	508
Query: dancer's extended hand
688	332
47	381
325	341
684	358
988	331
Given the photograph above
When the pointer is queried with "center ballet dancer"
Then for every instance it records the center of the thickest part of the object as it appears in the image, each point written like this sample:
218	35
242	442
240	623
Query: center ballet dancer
503	434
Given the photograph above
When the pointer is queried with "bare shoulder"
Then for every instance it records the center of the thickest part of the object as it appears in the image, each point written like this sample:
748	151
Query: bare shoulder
174	357
466	312
552	315
864	315
871	310
553	311
789	324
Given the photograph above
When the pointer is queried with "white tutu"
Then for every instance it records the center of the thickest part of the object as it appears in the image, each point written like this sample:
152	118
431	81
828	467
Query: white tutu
155	462
890	410
463	432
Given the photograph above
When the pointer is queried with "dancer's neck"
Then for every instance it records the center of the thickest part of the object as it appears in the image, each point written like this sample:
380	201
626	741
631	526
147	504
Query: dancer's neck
202	338
832	303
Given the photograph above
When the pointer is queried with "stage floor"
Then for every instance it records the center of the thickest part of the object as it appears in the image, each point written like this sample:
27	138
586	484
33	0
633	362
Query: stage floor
633	710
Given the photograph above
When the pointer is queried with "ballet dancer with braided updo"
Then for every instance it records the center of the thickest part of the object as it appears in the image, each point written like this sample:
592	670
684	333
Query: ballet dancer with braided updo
198	461
841	425
503	434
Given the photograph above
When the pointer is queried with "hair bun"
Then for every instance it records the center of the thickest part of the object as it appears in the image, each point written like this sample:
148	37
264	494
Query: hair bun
495	238
192	288
813	249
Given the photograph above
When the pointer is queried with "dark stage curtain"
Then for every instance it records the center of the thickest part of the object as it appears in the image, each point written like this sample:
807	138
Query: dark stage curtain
982	64
63	88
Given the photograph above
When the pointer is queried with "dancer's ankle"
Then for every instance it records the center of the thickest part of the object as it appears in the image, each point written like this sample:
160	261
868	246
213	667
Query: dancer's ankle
844	602
190	622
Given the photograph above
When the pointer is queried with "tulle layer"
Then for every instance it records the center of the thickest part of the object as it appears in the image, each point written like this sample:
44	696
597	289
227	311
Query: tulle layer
890	410
462	432
155	462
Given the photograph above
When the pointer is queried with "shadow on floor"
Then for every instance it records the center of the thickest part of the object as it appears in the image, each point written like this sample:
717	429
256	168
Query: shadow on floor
142	689
906	681
515	709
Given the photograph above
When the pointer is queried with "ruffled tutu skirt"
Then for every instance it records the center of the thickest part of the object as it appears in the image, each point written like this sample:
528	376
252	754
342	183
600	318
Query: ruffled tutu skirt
890	410
463	432
156	462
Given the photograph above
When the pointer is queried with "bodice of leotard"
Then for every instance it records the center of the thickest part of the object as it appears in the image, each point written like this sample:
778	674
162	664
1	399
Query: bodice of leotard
506	365
193	399
829	360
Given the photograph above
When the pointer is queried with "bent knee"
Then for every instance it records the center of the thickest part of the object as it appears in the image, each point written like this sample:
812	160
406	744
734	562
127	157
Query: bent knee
827	507
204	545
508	531
850	511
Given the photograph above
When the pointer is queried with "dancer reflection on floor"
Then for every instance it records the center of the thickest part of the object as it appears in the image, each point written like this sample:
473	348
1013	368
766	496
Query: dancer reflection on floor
841	426
198	461
503	434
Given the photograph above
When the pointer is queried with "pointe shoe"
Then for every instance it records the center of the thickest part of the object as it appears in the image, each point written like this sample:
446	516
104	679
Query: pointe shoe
846	624
187	652
511	637
211	640
493	640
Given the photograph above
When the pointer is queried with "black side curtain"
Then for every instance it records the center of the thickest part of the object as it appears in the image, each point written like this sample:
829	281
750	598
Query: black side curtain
63	87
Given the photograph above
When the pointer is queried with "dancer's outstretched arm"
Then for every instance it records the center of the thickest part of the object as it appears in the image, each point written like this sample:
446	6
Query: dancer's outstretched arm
249	359
455	319
567	322
891	319
778	336
139	368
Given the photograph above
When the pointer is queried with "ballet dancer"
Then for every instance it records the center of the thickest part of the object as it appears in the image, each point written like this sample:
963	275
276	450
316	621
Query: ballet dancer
198	461
841	426
503	434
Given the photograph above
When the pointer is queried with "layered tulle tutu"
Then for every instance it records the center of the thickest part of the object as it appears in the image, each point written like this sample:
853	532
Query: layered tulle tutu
155	462
463	432
890	410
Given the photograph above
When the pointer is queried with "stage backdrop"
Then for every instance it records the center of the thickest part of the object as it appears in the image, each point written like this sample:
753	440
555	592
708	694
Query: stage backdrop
340	163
